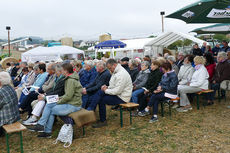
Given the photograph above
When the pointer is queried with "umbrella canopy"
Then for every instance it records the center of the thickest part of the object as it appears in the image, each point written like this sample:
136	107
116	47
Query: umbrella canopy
204	11
109	44
217	28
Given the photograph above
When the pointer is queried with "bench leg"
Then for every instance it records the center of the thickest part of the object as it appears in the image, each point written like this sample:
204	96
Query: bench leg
198	103
83	130
121	116
130	113
7	143
219	98
170	110
162	109
21	142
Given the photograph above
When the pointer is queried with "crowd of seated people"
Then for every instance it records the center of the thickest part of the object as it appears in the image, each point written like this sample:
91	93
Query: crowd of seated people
26	87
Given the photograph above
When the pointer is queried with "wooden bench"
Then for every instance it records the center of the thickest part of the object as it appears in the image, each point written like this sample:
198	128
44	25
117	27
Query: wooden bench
200	93
82	118
169	103
12	128
128	106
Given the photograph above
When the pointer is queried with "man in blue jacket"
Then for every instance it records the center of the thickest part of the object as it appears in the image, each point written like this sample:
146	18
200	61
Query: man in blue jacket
91	89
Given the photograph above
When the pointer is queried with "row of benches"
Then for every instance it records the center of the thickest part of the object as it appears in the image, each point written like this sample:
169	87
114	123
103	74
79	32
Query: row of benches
18	127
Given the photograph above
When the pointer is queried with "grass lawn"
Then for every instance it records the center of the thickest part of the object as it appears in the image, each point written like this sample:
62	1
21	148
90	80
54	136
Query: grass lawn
205	130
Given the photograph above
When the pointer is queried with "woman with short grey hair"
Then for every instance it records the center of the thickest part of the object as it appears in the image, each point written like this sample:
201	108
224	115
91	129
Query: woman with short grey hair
8	101
172	60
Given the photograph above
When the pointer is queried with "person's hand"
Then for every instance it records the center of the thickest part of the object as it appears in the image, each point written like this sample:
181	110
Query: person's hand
104	87
84	92
159	88
41	97
16	88
134	87
146	91
156	91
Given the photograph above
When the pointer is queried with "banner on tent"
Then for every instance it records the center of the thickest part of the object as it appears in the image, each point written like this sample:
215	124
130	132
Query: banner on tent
219	13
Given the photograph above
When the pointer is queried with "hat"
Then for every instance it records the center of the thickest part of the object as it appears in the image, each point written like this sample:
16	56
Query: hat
125	59
16	64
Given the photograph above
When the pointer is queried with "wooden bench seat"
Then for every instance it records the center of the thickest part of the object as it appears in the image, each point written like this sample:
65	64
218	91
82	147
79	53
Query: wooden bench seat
200	93
12	128
169	103
129	106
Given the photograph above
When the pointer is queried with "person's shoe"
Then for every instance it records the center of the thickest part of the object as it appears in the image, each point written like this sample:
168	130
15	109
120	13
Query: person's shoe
175	106
36	128
182	109
30	121
99	124
115	107
143	113
44	135
153	119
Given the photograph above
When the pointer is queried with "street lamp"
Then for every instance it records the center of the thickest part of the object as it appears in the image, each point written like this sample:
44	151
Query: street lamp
162	19
8	28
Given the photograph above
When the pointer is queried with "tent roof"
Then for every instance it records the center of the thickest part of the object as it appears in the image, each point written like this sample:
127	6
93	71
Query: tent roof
168	38
55	50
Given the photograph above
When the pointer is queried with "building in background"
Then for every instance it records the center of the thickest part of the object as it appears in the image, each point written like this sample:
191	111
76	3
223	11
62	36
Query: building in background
67	41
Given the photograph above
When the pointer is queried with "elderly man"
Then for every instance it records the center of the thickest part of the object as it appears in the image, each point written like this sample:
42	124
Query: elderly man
221	73
125	64
180	60
102	78
225	47
8	101
87	76
119	90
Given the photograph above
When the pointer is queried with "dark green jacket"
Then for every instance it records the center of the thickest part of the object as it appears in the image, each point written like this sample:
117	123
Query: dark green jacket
73	91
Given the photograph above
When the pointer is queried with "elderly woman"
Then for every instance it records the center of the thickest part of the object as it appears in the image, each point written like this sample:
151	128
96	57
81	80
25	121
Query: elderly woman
167	88
133	66
57	89
221	73
140	81
198	82
172	61
68	103
8	101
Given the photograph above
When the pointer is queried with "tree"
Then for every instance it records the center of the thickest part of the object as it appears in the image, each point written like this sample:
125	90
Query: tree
180	43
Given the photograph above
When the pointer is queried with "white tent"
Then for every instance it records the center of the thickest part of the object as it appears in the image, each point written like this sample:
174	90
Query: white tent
164	40
50	53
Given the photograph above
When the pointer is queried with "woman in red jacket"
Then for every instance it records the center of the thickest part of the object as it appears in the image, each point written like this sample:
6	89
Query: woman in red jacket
210	66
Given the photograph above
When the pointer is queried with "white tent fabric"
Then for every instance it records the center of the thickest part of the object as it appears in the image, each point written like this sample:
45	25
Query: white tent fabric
49	53
164	40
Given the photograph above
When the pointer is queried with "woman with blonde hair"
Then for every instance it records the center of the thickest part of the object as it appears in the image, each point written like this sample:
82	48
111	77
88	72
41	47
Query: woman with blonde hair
198	82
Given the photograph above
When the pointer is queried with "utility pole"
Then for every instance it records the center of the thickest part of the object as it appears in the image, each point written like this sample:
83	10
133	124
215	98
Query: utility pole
8	28
162	19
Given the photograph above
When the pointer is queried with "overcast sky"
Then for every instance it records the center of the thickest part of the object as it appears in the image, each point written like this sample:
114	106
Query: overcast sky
87	19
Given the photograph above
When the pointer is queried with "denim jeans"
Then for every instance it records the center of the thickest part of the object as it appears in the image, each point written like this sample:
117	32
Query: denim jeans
102	99
135	95
154	100
85	99
53	109
215	87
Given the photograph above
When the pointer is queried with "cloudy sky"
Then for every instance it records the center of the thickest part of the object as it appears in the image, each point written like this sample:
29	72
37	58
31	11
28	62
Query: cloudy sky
87	19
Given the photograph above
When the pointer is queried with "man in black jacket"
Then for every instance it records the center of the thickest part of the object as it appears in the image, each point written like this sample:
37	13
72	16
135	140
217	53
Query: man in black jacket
102	78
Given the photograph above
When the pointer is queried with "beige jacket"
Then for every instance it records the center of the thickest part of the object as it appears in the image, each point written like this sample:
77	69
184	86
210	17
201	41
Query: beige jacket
120	84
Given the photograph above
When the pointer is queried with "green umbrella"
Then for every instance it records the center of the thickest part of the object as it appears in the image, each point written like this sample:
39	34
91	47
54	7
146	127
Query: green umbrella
204	11
222	28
